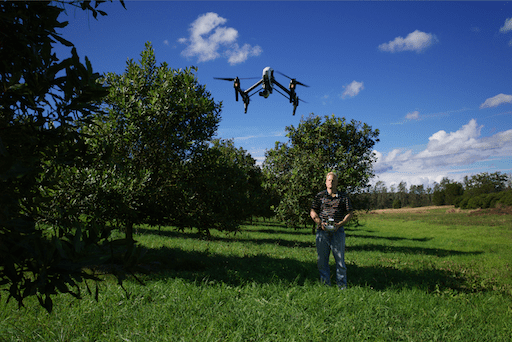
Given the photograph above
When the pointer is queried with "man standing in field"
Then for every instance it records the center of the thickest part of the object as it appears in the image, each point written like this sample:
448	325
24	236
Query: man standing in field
331	210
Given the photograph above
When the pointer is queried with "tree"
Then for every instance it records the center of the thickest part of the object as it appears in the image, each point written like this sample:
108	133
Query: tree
447	192
158	120
381	196
43	102
222	187
417	196
317	145
485	183
402	193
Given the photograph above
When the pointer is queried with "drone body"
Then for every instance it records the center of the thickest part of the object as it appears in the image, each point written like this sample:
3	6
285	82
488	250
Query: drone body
266	82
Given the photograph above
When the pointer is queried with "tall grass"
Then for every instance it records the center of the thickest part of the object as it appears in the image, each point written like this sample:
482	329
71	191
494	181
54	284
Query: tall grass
432	276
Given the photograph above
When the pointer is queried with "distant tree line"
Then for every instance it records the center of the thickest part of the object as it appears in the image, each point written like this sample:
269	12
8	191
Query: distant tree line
483	190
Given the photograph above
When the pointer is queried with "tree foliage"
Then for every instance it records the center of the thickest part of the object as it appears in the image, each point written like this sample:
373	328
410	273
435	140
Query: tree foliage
222	190
44	101
160	126
297	169
485	183
158	119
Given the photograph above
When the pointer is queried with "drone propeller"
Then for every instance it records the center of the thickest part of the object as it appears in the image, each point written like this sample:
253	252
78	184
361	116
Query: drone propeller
234	78
293	79
224	78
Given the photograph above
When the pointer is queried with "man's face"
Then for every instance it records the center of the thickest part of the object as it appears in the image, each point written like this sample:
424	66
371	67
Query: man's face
331	182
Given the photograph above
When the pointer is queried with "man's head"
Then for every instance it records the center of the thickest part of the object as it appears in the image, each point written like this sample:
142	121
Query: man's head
331	181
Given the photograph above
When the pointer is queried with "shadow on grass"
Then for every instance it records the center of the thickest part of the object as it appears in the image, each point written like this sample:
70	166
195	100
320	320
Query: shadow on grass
408	250
287	231
236	238
391	238
234	270
269	223
204	267
431	280
311	243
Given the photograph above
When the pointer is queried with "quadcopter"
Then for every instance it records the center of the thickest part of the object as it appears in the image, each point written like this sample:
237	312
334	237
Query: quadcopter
267	82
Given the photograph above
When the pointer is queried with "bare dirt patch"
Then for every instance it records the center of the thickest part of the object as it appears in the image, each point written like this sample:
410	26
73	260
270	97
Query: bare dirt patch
499	210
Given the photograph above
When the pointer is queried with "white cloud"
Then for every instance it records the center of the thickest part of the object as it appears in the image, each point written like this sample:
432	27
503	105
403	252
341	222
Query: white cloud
166	42
507	26
496	101
352	89
444	153
259	136
415	41
209	40
237	55
413	115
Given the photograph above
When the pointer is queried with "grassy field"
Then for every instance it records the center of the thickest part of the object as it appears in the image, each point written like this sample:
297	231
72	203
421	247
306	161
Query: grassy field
433	274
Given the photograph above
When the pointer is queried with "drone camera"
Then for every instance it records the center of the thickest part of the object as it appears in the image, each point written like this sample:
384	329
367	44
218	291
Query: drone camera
264	93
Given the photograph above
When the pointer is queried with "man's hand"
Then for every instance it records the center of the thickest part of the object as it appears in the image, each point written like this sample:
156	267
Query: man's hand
322	225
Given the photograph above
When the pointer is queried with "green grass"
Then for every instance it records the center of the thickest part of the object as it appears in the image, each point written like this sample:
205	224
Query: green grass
432	276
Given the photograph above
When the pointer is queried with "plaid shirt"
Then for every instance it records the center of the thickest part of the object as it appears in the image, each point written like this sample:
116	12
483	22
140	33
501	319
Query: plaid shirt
327	206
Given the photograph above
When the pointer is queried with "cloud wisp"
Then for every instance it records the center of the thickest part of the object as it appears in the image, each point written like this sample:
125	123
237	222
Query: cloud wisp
507	26
209	39
417	116
259	136
496	101
446	150
413	115
415	41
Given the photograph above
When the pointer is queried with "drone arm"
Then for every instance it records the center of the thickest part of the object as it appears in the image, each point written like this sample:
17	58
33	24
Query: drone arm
253	86
280	92
282	88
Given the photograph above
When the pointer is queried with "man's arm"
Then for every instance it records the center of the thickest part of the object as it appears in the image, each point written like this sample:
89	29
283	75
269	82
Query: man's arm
345	220
316	218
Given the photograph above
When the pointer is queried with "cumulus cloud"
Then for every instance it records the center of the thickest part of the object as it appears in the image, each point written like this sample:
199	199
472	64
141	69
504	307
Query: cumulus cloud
209	40
496	101
415	41
444	150
507	26
352	89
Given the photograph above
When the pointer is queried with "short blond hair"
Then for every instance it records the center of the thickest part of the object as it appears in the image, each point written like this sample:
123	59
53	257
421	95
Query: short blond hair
334	175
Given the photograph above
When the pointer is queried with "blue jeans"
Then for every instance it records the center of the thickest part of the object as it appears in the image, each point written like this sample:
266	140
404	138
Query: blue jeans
335	242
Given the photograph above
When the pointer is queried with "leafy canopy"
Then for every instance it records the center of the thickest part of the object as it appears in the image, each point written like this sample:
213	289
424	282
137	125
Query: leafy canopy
297	169
44	101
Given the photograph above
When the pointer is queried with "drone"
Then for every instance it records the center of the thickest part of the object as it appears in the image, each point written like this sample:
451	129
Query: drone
267	82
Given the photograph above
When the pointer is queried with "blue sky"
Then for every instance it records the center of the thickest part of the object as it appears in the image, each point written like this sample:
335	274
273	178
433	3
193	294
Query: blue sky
434	77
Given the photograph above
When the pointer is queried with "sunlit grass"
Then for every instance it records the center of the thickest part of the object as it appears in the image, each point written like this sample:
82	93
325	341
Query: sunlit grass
409	280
